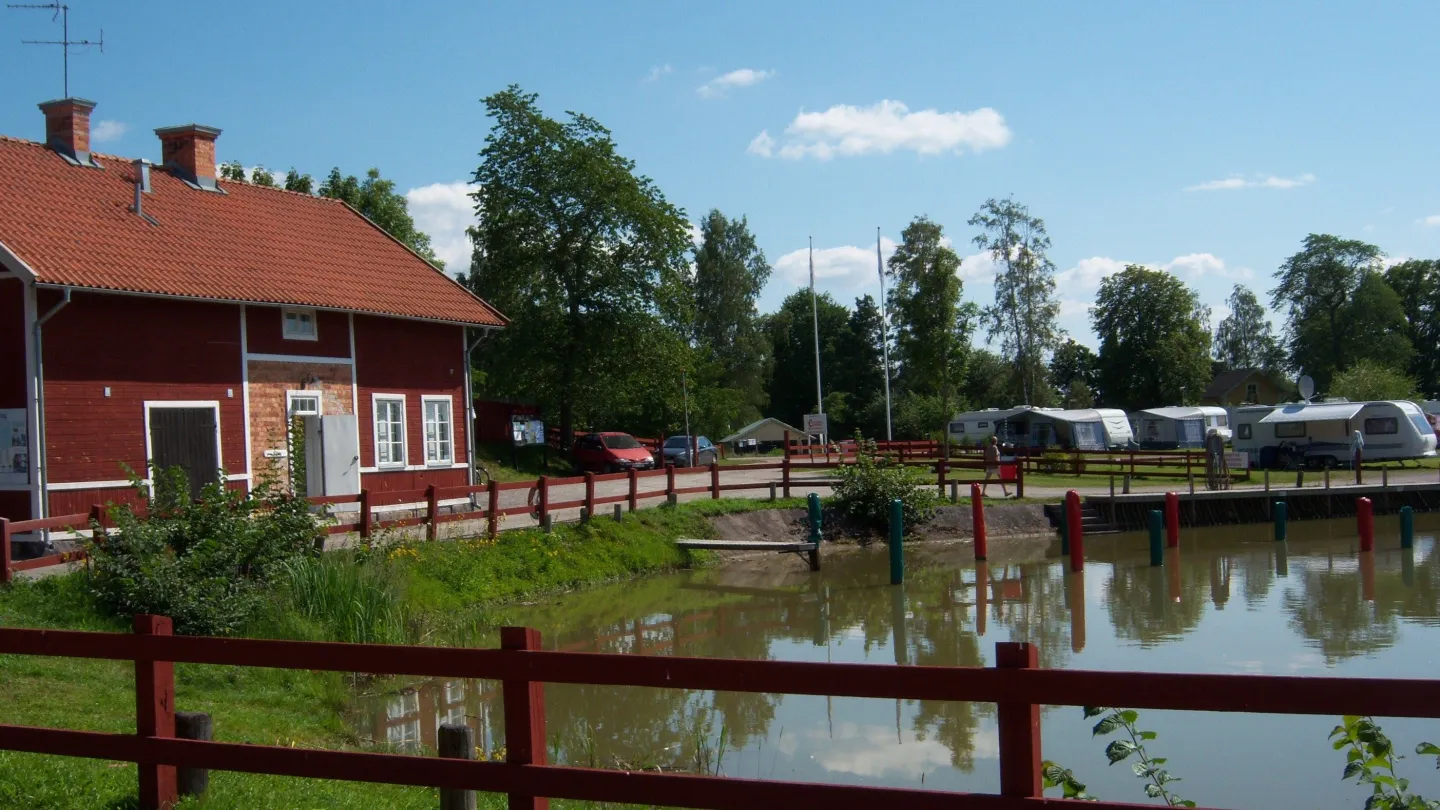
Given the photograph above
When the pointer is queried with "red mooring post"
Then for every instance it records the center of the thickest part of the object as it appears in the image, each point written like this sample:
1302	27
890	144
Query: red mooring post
1076	532
1365	522
1172	520
977	516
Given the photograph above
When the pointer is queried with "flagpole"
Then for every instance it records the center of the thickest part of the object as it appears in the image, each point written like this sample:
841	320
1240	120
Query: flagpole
815	318
884	332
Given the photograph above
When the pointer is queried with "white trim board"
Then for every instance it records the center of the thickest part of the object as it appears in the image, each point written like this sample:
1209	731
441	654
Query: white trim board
299	358
39	504
458	465
120	483
245	386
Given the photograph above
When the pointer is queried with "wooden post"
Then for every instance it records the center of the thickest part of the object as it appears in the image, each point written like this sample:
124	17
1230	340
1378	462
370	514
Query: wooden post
670	482
1192	483
1125	486
785	468
954	492
1020	477
457	742
1187	470
977	521
1300	479
432	512
1327	477
714	481
584	515
1172	520
524	715
772	491
492	508
590	493
1132	463
940	470
193	726
155	715
619	512
1077	532
542	505
1365	523
1267	479
1359	464
633	481
365	516
4	550
1019	729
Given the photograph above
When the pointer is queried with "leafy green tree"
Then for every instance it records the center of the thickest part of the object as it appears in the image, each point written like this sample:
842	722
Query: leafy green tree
1075	372
1367	380
376	198
1417	282
1373	325
295	181
1025	310
730	272
1315	286
987	380
1245	338
584	255
1154	344
233	171
862	369
261	176
792	382
925	300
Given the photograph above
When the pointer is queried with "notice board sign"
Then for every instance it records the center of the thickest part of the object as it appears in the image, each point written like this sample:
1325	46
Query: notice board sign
816	424
525	430
14	447
1237	461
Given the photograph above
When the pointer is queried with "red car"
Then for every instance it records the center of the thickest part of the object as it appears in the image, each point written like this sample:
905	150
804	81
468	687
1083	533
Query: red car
611	452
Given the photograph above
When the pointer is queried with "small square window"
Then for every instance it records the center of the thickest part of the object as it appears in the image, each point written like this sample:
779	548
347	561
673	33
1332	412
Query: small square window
1242	432
300	324
1289	430
983	425
302	403
1382	425
1252	392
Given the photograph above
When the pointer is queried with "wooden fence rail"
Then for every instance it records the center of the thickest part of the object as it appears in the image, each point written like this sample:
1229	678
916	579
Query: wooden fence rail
1015	684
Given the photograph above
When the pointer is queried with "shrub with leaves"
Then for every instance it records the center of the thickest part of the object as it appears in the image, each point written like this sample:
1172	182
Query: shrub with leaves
867	487
204	563
1370	760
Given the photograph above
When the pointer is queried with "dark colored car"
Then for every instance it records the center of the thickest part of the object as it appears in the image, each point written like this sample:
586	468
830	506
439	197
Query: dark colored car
678	450
611	452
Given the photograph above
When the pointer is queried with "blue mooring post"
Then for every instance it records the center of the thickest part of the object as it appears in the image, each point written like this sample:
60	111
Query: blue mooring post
1280	521
1407	527
1064	527
897	542
816	537
1157	537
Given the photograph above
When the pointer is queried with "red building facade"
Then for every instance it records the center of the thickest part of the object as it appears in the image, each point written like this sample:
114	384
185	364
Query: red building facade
196	326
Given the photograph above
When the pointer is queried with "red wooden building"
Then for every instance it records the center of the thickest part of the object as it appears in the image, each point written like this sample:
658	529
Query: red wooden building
166	317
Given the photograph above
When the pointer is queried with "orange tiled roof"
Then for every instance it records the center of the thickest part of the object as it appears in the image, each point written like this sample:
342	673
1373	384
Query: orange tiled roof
73	225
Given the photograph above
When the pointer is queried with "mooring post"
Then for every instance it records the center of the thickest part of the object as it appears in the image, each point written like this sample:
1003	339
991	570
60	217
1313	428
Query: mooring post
940	476
816	535
897	542
1077	532
543	501
1407	527
1020	477
670	483
193	726
1367	575
1282	560
456	742
1112	486
1365	523
367	517
4	551
1157	547
977	519
1280	516
1172	520
589	495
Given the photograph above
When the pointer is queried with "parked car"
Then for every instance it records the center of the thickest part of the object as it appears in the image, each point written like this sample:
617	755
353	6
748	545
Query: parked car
611	452
678	450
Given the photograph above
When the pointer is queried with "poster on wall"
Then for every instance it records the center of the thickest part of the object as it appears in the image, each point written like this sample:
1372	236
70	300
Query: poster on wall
14	447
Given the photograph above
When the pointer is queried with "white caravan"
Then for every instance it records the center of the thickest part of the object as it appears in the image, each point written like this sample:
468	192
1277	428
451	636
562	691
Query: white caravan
1164	428
1319	434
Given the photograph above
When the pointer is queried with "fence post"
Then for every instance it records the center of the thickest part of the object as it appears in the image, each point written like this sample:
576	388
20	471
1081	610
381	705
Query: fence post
155	715
670	483
1020	478
457	742
543	502
492	507
785	468
193	726
940	469
1077	532
1358	463
1132	463
524	703
4	550
977	521
365	517
633	481
432	511
1018	725
714	481
589	493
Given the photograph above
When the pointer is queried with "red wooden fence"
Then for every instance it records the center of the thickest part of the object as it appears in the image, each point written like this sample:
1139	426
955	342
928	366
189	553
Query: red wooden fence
1016	685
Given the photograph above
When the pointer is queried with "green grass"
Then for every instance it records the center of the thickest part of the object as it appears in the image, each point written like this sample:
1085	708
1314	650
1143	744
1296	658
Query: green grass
507	463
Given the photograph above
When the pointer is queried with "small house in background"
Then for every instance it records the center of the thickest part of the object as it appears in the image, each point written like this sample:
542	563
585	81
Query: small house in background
167	318
760	436
1246	386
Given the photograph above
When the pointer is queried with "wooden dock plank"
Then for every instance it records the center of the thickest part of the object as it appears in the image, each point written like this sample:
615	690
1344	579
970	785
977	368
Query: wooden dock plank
744	545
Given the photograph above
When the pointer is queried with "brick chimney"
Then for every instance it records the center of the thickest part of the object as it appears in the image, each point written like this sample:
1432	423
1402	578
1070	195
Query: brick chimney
188	151
67	128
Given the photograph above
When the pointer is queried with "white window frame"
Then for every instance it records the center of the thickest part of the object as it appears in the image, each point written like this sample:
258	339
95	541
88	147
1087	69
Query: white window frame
375	401
449	457
291	396
288	334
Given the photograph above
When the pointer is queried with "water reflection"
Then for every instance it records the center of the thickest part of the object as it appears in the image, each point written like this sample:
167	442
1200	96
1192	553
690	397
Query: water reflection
1312	605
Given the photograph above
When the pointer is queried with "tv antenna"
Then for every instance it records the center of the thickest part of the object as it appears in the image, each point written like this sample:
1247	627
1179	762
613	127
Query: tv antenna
62	12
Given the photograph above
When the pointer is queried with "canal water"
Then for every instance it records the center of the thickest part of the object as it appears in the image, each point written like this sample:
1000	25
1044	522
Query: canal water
1236	602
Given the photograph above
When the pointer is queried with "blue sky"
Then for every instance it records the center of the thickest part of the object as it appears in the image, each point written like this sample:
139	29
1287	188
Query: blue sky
1206	138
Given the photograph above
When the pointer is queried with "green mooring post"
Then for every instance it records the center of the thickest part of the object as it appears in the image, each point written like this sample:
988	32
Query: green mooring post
817	519
897	542
1157	533
1407	527
1280	510
1064	528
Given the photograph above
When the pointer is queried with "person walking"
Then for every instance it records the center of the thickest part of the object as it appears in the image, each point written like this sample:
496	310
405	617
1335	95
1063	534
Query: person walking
992	467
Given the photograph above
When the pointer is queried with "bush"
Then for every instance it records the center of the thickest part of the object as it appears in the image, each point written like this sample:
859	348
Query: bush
342	596
1058	462
867	488
205	563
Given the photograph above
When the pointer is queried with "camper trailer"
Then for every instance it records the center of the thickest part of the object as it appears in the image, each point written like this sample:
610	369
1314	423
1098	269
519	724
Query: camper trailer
976	427
1166	428
1086	429
1319	434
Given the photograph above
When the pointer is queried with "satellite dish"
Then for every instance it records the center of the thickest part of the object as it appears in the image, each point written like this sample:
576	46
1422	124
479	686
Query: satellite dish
1307	387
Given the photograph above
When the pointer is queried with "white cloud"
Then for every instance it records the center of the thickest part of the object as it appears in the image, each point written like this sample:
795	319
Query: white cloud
1432	221
1197	265
1257	181
108	130
873	751
836	268
444	211
885	127
697	236
978	267
744	77
1087	273
1070	308
658	71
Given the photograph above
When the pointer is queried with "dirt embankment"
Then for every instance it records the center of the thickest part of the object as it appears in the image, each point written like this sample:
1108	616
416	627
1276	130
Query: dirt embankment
1009	528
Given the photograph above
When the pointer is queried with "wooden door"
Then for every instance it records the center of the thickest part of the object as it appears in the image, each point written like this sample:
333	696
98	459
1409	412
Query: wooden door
185	437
